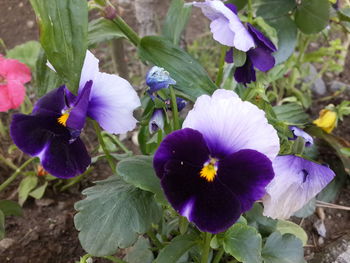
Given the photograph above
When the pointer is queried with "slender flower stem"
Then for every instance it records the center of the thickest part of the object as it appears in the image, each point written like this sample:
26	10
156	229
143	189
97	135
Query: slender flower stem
103	145
174	109
8	162
127	30
155	240
183	225
15	174
220	75
114	259
206	247
250	11
219	255
84	258
118	142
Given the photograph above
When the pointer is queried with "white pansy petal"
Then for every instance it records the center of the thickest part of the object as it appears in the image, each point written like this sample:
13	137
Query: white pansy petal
296	182
90	69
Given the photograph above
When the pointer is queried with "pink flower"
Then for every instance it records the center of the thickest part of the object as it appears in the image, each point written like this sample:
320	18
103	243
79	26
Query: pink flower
13	76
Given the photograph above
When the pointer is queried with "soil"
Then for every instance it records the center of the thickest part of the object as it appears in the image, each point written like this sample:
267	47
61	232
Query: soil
46	233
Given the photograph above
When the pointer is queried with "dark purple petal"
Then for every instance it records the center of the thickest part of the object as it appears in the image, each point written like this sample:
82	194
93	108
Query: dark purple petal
232	7
229	56
260	39
209	205
246	73
186	145
261	58
70	98
158	78
77	115
52	103
246	173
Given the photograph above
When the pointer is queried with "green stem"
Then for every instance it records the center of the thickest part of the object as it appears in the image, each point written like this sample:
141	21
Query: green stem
15	174
155	240
8	162
118	142
174	109
114	259
127	30
183	225
219	255
206	247
220	75
84	258
103	145
250	12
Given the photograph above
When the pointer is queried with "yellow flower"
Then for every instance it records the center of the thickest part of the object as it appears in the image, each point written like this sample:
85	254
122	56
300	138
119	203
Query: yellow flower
327	120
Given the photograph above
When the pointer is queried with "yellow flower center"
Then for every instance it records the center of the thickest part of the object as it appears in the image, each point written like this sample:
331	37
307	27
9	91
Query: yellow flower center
209	170
63	119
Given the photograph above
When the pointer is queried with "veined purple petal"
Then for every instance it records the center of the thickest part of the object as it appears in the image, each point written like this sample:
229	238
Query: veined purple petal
229	56
246	173
296	182
158	78
300	133
261	58
229	124
232	7
260	39
52	103
246	73
157	121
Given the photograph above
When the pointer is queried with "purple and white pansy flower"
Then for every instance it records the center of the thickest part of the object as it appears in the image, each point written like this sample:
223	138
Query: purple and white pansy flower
297	132
296	182
51	132
219	163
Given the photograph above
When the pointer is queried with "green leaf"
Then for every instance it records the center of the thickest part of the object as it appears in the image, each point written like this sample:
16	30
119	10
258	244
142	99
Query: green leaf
139	171
112	215
283	249
287	37
39	192
101	30
291	114
243	243
307	210
10	208
176	20
177	248
287	227
344	14
239	57
2	225
26	53
140	252
25	187
63	35
190	76
240	4
265	225
312	16
273	8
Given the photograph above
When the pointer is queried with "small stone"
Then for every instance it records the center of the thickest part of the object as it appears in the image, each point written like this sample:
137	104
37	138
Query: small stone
329	217
6	243
44	202
320	228
320	241
51	226
62	205
338	85
30	24
20	4
339	215
317	83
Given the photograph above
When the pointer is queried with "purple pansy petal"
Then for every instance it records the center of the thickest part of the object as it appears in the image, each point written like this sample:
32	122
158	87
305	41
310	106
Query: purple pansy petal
158	78
211	206
90	69
261	58
222	31
260	39
229	124
232	7
246	173
77	115
157	121
296	182
246	73
52	103
112	102
229	56
300	133
186	145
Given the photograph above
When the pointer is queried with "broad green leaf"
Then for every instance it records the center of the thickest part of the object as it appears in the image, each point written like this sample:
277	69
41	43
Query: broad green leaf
287	227
307	210
283	249
2	225
239	57
240	4
112	215
265	225
287	37
244	243
101	30
273	8
10	208
26	53
46	79
190	76
176	20
344	14
140	252
63	35
39	192
139	171
25	187
291	114
177	248
312	16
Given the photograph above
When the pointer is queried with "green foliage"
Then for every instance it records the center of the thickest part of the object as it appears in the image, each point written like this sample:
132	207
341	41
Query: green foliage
140	252
39	192
239	57
265	225
287	227
307	210
26	53
102	30
272	9
291	114
177	248
190	76
25	187
63	35
10	208
176	20
113	214
2	225
312	16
